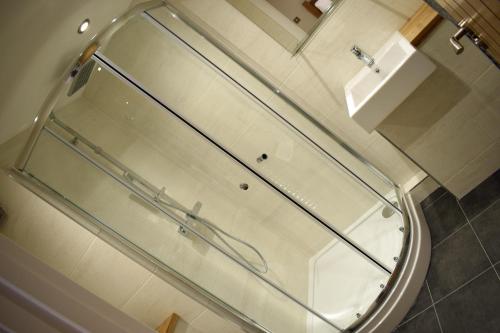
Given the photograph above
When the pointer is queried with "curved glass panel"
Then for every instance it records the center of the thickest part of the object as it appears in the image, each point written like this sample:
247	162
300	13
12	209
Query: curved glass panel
168	143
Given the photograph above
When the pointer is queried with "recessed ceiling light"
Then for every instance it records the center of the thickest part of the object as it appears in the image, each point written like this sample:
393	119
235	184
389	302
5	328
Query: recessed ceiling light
83	26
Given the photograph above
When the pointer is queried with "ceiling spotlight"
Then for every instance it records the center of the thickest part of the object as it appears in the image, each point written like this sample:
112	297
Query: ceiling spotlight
83	26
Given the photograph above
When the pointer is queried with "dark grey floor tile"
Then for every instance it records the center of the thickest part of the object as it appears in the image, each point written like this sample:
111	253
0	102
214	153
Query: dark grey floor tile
474	308
421	303
454	262
482	196
443	217
424	322
433	197
487	227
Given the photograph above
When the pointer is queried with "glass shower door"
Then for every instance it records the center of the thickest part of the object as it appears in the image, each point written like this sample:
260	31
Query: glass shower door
246	128
83	132
164	151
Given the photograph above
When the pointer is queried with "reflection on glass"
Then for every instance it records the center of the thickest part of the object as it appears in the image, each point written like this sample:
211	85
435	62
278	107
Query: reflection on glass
289	23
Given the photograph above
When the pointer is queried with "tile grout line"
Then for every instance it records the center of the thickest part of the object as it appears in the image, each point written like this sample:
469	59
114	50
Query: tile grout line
477	237
434	201
84	254
481	212
415	315
468	222
196	317
149	278
434	306
463	285
449	236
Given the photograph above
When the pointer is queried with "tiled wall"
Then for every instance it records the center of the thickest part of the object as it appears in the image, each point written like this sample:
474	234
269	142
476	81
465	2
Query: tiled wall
451	124
83	257
316	77
462	290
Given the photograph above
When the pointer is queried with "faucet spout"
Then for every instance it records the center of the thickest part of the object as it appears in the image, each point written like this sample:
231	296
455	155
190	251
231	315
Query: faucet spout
363	56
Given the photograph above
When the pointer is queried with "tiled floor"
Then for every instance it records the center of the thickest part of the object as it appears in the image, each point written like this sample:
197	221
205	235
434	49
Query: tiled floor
462	289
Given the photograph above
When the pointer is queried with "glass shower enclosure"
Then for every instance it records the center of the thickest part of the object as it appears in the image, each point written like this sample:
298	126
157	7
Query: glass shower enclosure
162	140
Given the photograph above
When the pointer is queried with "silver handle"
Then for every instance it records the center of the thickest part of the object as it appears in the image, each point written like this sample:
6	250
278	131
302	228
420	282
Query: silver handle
455	39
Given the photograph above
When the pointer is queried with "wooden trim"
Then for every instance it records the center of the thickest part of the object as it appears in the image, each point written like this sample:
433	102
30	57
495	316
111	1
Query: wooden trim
87	53
420	24
168	326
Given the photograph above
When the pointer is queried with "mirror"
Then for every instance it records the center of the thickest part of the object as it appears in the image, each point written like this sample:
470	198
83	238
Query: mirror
289	22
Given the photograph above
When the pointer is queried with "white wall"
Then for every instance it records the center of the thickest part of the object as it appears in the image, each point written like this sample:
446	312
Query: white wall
451	123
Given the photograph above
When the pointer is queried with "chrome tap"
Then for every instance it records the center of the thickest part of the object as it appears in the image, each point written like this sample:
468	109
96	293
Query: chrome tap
363	56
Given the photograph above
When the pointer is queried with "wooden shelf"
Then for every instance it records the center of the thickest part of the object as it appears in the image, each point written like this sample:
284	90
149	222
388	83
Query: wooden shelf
420	24
168	326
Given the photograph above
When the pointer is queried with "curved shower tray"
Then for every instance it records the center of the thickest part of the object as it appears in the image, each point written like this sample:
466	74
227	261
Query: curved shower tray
156	116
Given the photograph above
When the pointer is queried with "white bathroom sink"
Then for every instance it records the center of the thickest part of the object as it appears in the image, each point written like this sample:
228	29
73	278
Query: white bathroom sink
372	96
